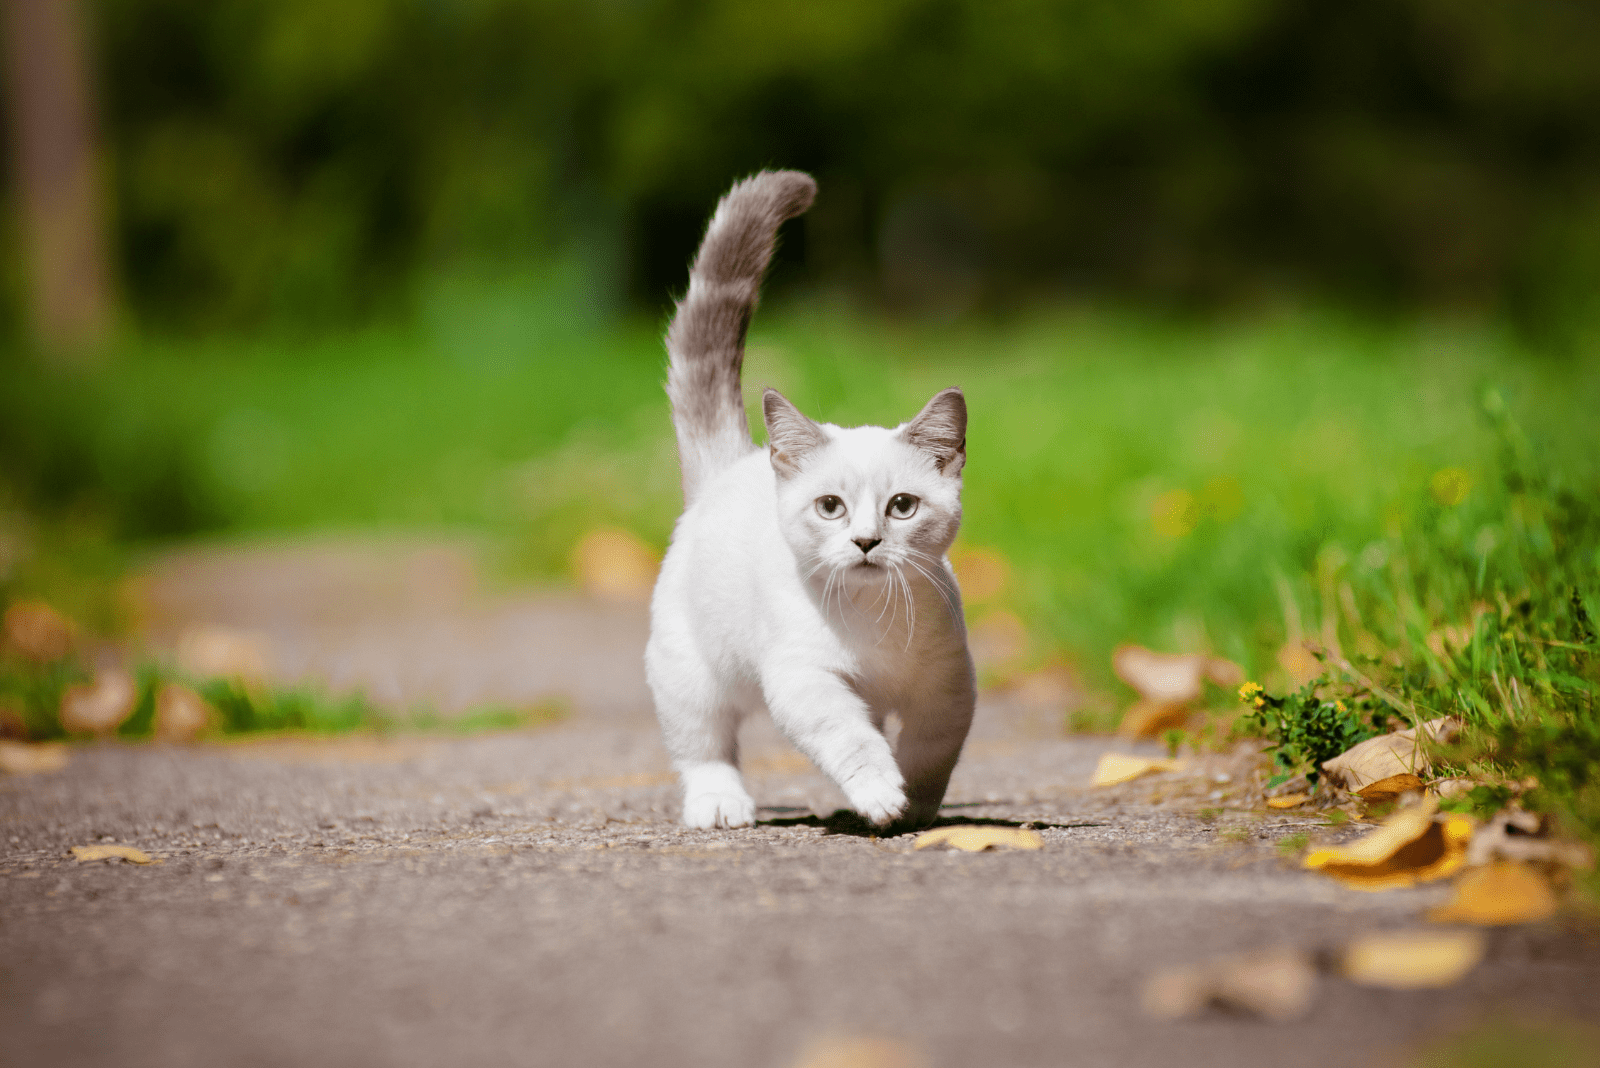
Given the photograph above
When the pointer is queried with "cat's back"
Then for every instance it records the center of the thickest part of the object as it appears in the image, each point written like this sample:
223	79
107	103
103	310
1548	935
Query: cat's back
727	555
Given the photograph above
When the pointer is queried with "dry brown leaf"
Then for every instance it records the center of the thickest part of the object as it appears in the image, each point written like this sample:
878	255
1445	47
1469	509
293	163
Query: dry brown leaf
1390	789
1501	893
1160	678
1166	683
38	631
858	1051
1115	768
1288	801
1411	847
615	564
1412	960
216	652
1495	841
112	852
181	714
1393	754
970	838
1275	985
1147	719
99	707
31	758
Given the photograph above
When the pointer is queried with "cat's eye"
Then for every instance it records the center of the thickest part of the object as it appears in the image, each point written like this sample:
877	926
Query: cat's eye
830	507
903	505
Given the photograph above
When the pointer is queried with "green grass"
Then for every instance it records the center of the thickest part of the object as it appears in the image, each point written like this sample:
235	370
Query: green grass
1482	605
1287	436
1176	483
30	699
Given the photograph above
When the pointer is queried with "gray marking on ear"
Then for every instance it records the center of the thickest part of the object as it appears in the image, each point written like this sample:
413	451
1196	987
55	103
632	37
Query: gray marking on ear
789	432
940	429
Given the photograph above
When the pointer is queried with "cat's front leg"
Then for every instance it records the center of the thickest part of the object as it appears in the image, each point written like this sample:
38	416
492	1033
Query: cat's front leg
830	723
928	747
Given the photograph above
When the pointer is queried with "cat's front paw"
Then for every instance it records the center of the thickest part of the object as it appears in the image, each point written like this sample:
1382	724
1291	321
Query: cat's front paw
712	809
882	802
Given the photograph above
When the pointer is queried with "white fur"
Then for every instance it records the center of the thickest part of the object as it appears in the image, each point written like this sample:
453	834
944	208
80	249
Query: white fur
762	601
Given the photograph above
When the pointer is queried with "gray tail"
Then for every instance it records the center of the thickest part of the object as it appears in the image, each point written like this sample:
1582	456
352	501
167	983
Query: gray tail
705	342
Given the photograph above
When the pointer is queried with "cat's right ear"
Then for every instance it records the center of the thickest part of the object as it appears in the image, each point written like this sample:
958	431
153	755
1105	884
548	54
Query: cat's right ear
789	432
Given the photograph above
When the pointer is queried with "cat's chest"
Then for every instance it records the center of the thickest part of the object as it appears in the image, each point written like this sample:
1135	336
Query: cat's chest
900	663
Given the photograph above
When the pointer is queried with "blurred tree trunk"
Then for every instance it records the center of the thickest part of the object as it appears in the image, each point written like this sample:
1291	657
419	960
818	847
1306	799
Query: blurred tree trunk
55	171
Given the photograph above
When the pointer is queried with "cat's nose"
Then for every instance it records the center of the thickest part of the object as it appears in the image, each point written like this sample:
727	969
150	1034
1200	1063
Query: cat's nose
866	544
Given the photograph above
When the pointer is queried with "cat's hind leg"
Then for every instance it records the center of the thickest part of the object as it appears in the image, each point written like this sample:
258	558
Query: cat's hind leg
700	726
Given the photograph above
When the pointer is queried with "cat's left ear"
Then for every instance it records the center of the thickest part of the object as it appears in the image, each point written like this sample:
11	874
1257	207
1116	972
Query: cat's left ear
940	430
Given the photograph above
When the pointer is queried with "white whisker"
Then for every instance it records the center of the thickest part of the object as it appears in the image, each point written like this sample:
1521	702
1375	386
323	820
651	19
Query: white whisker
937	586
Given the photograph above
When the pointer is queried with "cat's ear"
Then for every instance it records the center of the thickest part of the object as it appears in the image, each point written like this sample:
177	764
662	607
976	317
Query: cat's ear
940	430
789	432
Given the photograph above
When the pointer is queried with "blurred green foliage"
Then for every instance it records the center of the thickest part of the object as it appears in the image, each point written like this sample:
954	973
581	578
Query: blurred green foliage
299	161
1164	482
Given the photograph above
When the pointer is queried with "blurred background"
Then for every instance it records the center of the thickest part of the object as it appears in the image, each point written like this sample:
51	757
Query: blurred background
1250	298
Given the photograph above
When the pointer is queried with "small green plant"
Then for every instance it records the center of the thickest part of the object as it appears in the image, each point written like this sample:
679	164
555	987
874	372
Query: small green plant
1208	815
1233	835
1304	729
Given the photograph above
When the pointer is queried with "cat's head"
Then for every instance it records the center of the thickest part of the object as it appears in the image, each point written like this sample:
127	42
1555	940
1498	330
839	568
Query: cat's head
863	500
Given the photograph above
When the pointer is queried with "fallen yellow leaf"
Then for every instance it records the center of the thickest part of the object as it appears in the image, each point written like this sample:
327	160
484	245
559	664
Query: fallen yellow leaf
1411	847
855	1051
615	564
1412	960
1288	801
1504	892
970	838
112	852
1391	788
28	758
1115	768
1277	985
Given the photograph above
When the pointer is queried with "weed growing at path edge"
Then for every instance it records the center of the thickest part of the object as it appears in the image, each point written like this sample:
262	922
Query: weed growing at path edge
1476	605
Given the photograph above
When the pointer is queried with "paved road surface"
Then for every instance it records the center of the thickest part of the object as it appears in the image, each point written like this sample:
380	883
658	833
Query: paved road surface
527	899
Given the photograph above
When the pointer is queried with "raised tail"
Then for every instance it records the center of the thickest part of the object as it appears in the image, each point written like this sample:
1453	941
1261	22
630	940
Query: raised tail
705	342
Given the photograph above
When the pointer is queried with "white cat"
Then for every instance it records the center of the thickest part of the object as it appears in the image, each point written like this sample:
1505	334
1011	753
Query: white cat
809	576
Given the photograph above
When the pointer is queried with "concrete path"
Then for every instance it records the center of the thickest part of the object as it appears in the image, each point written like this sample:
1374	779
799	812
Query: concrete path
527	899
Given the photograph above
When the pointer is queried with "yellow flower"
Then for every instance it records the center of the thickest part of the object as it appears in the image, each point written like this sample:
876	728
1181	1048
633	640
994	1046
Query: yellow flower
1340	706
1250	691
1261	702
